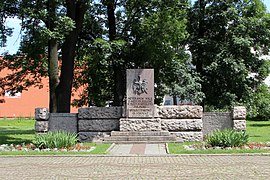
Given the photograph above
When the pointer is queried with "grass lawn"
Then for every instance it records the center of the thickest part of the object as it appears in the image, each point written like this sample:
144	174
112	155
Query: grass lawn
17	131
20	131
258	131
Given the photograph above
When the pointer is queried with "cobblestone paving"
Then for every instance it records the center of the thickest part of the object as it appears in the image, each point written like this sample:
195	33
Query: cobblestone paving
139	149
136	167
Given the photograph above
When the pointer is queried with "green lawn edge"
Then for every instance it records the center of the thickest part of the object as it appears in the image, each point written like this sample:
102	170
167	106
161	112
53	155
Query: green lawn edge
178	148
258	131
22	130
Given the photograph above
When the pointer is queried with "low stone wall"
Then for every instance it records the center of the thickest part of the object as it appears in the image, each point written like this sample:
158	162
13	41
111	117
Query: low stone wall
42	120
221	120
216	120
187	123
128	124
239	118
63	122
95	123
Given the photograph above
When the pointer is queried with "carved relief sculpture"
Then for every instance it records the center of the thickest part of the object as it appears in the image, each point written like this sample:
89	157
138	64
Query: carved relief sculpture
139	87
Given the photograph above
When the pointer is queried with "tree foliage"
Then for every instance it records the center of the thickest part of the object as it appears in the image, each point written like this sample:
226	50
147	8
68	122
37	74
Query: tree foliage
148	34
8	9
86	46
48	26
258	104
226	40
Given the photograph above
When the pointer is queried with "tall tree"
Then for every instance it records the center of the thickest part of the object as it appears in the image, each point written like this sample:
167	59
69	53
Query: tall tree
226	40
75	11
59	23
157	40
118	69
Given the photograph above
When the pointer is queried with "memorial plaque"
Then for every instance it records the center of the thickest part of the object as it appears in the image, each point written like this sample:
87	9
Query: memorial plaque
140	93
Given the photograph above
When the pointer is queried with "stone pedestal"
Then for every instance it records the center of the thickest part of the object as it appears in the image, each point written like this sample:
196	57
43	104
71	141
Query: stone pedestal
127	124
42	120
239	118
140	102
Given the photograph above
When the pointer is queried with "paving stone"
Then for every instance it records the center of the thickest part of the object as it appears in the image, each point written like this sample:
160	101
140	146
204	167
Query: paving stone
135	167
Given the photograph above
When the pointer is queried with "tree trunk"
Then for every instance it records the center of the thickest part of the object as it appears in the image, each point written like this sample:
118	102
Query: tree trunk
76	11
52	58
118	74
53	74
174	100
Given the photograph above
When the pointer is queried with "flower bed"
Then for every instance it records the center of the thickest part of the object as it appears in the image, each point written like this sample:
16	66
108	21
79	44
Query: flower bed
32	148
249	146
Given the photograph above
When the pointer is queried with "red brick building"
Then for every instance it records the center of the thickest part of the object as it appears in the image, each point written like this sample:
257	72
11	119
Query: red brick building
23	104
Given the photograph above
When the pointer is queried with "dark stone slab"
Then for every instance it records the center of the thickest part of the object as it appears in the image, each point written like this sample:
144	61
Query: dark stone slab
99	125
93	136
100	113
216	120
63	121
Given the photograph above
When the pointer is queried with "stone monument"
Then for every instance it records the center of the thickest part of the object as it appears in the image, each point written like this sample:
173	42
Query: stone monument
140	102
140	93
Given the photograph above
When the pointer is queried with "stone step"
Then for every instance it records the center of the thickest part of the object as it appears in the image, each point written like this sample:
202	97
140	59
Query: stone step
139	142
140	138
140	133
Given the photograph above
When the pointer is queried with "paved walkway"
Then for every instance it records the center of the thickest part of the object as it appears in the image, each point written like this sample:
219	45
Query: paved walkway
135	167
138	149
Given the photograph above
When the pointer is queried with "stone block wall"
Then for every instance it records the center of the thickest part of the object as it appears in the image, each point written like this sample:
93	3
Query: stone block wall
95	123
42	120
221	120
185	122
147	124
63	122
239	118
216	120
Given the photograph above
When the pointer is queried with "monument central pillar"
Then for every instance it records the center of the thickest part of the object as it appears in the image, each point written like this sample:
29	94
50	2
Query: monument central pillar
139	113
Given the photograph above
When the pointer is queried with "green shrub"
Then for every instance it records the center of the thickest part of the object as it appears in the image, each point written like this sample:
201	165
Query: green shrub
258	104
227	138
59	139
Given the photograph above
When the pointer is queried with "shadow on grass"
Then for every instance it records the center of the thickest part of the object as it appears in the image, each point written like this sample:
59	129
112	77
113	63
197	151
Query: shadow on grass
11	135
260	125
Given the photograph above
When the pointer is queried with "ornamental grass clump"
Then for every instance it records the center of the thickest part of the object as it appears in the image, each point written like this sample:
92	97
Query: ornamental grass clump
59	139
227	138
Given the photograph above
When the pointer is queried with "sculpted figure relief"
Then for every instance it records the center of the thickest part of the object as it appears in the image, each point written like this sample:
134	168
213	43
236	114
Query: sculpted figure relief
139	86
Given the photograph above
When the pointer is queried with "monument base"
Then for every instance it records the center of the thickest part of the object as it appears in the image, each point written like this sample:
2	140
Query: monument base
128	124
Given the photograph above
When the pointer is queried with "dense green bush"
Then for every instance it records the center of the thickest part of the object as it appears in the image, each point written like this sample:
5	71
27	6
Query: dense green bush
258	104
59	139
227	138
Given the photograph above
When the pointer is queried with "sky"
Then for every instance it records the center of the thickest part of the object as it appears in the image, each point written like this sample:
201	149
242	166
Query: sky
14	41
